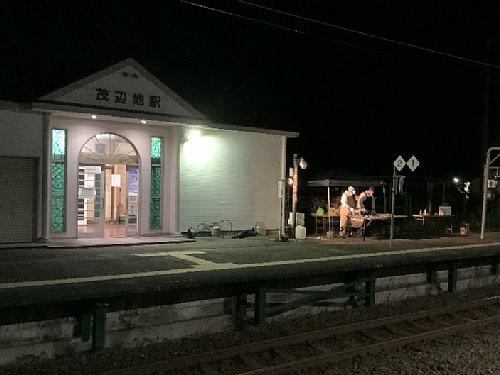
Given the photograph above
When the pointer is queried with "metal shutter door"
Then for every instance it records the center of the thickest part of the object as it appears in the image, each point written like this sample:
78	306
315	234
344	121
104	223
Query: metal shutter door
17	197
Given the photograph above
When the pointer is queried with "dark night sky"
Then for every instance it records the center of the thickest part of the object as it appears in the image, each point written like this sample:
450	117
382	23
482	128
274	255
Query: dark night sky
357	101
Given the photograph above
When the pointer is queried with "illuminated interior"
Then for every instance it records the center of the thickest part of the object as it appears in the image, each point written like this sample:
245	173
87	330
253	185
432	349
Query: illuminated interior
108	187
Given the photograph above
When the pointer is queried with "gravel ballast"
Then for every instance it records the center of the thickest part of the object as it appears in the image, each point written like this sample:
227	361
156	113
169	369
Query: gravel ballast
469	353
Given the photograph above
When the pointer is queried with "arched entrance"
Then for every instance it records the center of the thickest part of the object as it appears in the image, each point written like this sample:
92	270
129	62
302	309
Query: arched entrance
108	187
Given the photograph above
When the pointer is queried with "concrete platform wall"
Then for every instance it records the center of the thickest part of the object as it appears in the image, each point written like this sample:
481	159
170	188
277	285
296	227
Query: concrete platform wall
134	328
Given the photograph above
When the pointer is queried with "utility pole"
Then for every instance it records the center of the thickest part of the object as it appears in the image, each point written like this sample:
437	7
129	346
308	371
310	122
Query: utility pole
297	162
295	178
486	100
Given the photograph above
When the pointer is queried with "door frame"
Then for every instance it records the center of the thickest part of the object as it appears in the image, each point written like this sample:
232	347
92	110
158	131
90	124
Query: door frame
132	202
99	233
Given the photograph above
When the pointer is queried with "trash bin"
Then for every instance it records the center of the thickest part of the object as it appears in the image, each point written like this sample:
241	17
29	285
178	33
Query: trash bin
300	232
216	232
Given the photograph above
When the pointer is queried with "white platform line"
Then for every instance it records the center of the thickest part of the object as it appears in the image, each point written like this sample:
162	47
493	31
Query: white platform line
204	266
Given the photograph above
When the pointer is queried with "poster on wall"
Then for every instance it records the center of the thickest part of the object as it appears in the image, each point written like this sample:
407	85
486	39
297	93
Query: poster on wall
92	169
86	193
132	181
116	180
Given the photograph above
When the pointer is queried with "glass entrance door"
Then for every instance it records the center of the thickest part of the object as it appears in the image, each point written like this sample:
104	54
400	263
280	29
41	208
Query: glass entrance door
112	211
90	201
132	220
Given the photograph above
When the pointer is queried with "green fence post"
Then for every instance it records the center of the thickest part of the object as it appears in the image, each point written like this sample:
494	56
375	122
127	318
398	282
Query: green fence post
240	311
432	277
260	306
350	281
83	330
370	291
494	266
99	327
452	277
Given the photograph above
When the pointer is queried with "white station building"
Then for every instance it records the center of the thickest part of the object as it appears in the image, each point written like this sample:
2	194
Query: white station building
119	154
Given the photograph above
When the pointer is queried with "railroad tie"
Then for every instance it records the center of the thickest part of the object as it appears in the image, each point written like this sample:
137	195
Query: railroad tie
440	321
250	362
397	331
283	354
319	348
372	336
208	369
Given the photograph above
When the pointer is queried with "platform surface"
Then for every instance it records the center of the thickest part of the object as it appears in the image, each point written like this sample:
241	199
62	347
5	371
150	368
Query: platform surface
74	270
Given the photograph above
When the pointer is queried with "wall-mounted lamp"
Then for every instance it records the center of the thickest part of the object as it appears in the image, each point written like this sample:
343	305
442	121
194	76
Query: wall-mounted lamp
198	149
302	163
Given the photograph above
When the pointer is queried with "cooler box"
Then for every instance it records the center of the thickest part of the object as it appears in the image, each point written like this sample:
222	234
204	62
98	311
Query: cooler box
299	217
445	210
300	232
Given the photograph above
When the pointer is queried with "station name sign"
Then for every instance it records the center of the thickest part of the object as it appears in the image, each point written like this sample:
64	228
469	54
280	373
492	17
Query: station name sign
122	97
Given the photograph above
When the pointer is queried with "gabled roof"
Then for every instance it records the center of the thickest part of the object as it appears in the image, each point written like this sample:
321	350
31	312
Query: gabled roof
128	90
123	87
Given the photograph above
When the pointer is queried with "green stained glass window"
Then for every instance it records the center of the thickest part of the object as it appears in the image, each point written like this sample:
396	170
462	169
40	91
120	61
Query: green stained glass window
155	181
155	150
58	181
58	144
155	203
154	213
57	216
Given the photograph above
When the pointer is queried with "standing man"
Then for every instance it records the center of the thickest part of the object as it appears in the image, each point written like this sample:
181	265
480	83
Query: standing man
365	202
347	205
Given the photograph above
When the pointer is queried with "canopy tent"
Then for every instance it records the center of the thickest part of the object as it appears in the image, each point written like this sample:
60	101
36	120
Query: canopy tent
341	183
339	178
342	179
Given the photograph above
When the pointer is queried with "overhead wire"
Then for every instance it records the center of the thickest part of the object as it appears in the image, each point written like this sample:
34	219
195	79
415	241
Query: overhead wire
370	35
353	45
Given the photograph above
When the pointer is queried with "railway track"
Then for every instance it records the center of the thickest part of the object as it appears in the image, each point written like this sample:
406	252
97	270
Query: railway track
287	354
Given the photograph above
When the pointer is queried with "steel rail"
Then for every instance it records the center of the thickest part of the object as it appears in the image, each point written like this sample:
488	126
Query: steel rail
349	353
336	332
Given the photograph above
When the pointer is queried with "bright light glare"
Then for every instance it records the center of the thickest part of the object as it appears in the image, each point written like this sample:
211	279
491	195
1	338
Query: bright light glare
194	134
455	180
198	150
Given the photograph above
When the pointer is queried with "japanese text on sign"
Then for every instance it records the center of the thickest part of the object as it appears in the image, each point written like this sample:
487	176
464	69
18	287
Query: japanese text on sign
121	97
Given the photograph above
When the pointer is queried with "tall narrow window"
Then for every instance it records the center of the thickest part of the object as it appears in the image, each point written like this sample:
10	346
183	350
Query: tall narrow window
155	203
58	183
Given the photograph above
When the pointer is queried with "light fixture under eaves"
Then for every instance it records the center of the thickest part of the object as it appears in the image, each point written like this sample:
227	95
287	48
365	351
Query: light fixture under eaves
94	117
143	121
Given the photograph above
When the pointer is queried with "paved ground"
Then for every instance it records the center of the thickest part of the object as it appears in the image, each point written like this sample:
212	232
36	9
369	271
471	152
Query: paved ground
70	269
88	258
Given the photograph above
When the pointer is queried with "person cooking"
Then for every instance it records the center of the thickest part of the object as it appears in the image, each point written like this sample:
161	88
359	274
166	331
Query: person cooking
365	201
347	205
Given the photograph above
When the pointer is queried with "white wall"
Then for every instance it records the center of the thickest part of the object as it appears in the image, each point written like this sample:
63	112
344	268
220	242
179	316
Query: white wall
239	182
21	134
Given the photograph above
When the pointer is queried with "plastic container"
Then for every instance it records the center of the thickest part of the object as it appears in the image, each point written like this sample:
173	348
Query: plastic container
216	232
300	232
